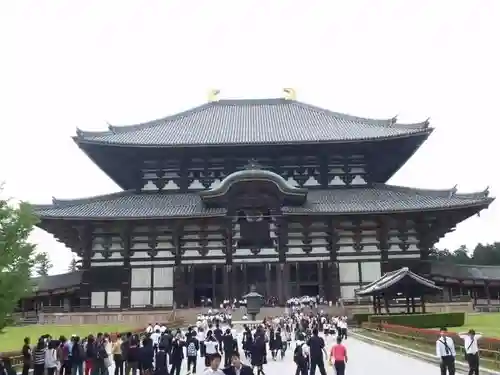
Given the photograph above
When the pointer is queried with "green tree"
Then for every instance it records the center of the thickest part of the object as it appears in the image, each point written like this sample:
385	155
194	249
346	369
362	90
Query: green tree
74	265
43	265
16	255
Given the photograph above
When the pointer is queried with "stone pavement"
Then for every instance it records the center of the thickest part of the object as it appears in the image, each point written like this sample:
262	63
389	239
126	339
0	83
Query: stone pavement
364	359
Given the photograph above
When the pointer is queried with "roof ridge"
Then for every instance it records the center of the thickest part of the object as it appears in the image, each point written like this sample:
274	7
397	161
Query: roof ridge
59	203
386	123
119	129
443	193
390	122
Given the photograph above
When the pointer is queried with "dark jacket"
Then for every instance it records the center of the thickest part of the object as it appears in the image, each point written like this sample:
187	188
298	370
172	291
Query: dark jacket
245	370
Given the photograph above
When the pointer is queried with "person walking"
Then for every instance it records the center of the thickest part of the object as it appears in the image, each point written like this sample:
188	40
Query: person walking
338	357
471	350
445	351
316	351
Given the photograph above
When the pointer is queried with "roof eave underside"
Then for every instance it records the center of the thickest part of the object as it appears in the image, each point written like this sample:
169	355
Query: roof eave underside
477	206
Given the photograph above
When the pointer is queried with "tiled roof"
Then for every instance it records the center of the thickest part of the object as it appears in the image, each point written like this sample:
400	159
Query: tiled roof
377	199
465	271
62	281
394	277
252	121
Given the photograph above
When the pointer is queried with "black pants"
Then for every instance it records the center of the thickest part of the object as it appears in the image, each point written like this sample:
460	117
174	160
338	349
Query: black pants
51	371
339	367
176	368
118	358
26	368
473	361
447	365
65	368
227	358
38	369
191	361
319	364
301	369
202	348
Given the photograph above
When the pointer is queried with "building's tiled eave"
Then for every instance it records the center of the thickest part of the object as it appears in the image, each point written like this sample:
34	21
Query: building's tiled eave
379	199
252	122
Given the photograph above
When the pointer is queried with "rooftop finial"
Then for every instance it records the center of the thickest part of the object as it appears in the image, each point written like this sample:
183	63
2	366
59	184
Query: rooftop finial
290	94
252	164
213	95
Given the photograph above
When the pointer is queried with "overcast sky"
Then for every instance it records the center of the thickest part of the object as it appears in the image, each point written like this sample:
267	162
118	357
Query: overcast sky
69	64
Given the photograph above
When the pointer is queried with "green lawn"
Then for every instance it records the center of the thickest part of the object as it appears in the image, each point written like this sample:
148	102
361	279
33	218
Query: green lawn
11	339
486	323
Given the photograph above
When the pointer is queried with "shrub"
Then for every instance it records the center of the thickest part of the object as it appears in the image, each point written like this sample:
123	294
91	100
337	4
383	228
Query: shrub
489	346
454	319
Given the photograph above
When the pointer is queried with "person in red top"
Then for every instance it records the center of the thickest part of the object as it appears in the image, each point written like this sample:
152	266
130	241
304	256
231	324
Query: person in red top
338	357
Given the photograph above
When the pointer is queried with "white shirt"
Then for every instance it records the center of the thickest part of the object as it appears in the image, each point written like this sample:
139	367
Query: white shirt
156	328
470	344
200	336
209	371
155	337
149	329
51	358
443	350
210	347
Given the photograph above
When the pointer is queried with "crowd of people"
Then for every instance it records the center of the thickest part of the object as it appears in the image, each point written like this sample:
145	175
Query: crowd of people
161	351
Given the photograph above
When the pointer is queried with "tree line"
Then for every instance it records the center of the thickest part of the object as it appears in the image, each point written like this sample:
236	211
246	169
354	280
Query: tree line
481	254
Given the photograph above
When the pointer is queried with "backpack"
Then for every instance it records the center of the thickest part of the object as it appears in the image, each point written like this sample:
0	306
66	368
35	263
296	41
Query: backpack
298	354
191	350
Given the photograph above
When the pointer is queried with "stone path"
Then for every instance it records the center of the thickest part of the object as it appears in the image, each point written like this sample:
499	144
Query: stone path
364	359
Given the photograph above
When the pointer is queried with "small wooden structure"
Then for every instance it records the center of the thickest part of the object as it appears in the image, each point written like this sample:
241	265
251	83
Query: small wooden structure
402	282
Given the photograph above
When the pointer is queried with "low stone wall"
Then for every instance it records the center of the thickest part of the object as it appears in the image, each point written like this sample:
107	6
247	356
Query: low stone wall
431	307
142	318
132	318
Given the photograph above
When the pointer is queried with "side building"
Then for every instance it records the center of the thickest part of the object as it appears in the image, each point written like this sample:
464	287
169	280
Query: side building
274	193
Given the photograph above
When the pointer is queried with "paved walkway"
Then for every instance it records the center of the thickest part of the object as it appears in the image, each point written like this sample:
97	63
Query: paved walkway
364	359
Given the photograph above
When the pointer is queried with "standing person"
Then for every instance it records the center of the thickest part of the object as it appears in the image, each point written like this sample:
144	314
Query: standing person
471	350
176	355
39	357
77	356
161	361
316	351
192	347
445	350
27	356
214	365
90	355
201	340
211	348
51	361
301	356
116	351
338	357
237	368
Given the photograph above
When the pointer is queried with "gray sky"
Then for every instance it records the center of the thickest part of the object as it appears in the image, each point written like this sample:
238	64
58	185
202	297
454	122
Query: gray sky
68	64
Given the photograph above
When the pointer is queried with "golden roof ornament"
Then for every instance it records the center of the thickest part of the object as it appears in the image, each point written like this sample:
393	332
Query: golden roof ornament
213	95
290	94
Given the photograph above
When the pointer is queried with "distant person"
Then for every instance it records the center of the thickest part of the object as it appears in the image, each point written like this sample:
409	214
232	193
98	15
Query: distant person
338	357
471	350
445	351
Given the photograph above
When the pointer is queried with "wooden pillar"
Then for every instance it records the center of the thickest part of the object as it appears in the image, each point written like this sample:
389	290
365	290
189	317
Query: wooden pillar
320	280
268	280
126	242
191	272
413	305
487	292
286	281
225	279
383	244
214	285
282	228
407	304
178	281
333	246
229	283
279	283
246	288
235	286
85	235
422	302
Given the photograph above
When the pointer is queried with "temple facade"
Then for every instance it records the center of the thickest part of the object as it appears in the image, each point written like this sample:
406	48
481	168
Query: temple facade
274	193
